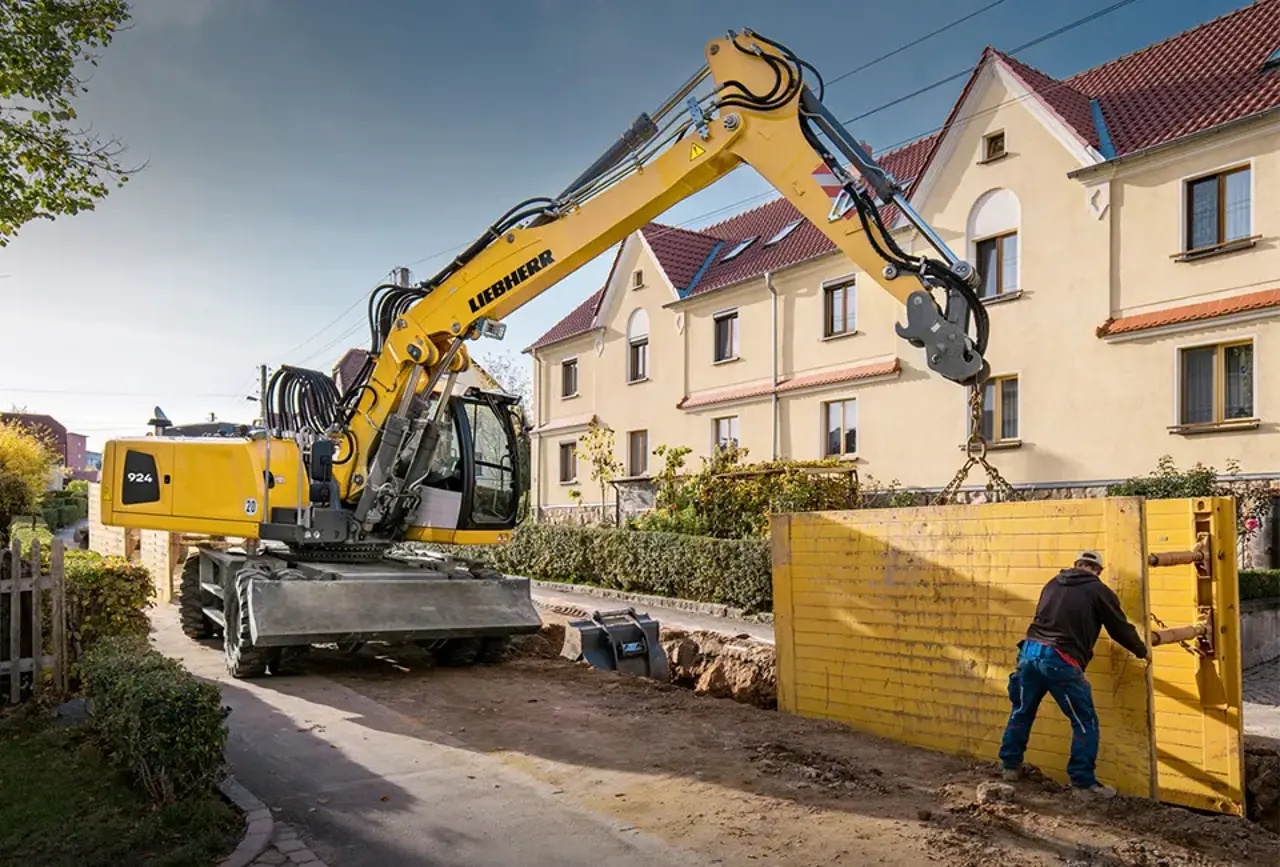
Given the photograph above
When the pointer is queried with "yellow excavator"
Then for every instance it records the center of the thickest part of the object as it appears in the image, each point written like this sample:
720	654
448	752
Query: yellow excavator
330	486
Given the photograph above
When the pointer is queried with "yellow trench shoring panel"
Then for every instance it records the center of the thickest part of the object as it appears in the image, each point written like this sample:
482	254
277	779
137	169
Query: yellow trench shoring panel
905	623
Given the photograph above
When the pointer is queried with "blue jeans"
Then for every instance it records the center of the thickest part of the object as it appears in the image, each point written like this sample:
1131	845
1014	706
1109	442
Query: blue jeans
1040	670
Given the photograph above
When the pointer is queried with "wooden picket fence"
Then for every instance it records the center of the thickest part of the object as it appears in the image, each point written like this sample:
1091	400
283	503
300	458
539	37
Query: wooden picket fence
26	585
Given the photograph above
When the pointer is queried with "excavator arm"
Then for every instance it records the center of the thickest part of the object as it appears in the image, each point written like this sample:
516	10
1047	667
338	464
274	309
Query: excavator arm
760	112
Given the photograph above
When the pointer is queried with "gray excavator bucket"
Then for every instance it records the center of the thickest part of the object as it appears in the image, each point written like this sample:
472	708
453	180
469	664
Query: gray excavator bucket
385	602
620	640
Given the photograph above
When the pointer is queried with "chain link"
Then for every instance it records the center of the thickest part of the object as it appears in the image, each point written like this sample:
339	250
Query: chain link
975	449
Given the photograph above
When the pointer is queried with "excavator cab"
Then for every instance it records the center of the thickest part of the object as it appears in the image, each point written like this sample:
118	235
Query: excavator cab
473	479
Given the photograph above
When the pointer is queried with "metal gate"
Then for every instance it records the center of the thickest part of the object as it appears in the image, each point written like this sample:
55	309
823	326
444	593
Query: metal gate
904	623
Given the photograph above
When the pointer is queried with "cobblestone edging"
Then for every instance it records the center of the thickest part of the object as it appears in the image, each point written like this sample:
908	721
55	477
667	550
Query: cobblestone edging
264	842
709	608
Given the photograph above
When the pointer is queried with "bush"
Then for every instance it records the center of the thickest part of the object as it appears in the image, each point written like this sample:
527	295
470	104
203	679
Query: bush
1259	584
734	572
26	460
79	487
106	598
68	514
156	719
51	514
25	534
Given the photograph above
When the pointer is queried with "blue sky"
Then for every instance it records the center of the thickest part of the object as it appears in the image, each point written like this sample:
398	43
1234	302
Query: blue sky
298	150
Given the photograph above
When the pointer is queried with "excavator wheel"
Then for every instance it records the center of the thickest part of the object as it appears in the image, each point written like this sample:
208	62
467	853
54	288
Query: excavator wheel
192	600
459	652
243	659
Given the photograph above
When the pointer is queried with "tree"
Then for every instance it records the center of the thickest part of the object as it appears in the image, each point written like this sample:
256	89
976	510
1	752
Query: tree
50	165
26	460
511	374
597	443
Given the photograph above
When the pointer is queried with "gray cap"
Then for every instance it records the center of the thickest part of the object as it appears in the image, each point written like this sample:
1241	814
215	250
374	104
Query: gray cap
1092	557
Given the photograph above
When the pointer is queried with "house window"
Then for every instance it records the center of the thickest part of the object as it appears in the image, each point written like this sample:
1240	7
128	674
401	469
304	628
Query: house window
1000	409
993	146
1216	383
842	428
726	431
638	360
569	377
998	264
1218	209
637	453
568	461
726	336
638	346
637	278
838	309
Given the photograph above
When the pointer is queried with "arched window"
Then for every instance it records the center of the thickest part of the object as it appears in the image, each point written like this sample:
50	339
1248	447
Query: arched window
993	227
638	346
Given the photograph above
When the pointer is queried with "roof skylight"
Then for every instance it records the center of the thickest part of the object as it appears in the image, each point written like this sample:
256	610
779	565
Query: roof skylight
737	251
782	233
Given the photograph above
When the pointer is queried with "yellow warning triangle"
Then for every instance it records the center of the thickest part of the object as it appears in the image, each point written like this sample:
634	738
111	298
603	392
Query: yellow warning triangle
695	151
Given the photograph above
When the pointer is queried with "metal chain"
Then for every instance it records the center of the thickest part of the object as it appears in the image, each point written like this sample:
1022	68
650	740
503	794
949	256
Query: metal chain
975	449
1194	651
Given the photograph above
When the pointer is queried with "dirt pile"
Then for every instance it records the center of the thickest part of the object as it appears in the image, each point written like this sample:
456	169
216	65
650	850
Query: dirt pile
721	666
1262	773
546	643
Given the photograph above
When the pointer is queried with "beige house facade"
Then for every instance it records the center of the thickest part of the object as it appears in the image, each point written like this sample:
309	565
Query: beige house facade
1127	225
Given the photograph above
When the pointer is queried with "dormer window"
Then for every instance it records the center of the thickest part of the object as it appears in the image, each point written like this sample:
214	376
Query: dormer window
737	251
993	146
782	233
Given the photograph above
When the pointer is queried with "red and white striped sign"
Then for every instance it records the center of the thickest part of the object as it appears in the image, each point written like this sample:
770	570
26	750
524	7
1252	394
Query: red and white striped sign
841	207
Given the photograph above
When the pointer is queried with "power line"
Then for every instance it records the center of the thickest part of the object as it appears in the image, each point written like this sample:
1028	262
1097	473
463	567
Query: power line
106	393
913	43
1045	37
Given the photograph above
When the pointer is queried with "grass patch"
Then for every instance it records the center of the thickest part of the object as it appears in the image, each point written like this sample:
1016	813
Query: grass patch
61	803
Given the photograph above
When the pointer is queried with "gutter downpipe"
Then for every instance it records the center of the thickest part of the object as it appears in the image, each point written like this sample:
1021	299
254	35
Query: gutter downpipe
773	386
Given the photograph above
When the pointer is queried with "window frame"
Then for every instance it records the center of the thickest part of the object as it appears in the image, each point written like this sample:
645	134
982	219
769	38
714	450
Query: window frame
824	407
632	470
715	430
846	283
716	319
999	239
566	363
996	440
1219	384
637	278
632	345
739	248
572	446
1184	224
987	140
781	235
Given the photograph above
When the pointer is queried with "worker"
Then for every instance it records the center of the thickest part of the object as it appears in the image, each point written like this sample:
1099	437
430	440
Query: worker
1073	607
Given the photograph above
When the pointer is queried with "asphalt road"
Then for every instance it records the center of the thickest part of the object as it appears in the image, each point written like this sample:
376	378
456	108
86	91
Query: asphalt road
368	785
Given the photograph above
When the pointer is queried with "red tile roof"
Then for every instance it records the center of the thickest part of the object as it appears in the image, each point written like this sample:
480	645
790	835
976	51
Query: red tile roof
577	322
1191	313
1201	78
793	383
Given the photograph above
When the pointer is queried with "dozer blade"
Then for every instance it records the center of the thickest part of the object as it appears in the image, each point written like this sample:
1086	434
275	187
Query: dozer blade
387	604
618	640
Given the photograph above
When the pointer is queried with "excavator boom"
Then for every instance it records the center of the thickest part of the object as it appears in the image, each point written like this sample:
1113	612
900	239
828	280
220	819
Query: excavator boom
332	478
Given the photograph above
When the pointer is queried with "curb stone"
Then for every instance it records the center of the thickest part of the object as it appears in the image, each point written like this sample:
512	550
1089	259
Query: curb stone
258	824
709	608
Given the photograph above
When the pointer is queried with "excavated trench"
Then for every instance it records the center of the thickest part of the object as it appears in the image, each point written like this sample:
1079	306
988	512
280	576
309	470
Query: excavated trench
744	670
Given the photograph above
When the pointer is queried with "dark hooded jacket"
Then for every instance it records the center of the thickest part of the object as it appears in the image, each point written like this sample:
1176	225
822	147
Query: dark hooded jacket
1073	608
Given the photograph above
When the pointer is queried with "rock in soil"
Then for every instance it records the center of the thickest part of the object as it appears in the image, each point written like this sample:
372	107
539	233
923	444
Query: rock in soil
720	666
995	793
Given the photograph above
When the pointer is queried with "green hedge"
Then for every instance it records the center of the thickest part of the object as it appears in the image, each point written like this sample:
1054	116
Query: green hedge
106	598
25	534
156	719
1259	584
734	572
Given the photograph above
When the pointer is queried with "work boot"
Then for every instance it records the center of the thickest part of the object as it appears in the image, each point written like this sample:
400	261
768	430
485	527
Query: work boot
1011	775
1096	791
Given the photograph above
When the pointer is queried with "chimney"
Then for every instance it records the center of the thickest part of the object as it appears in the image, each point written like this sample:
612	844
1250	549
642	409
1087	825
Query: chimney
866	147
